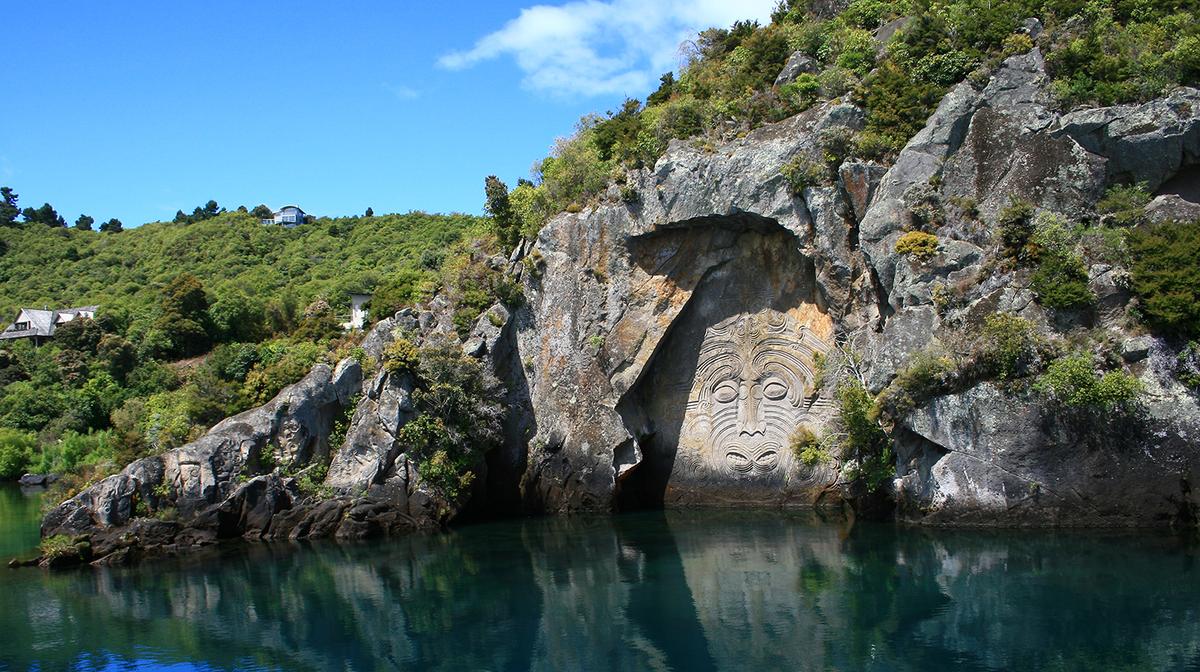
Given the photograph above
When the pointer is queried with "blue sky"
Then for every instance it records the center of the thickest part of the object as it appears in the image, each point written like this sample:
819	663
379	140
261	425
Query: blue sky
136	109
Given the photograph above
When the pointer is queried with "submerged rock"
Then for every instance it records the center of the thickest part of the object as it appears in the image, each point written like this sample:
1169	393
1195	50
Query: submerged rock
37	480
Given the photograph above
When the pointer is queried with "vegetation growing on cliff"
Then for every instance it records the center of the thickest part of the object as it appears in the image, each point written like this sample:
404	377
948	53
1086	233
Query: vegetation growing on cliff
864	440
1076	382
459	418
894	59
1166	276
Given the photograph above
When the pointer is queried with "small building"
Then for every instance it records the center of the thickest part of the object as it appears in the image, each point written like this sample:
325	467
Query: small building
40	325
358	312
288	215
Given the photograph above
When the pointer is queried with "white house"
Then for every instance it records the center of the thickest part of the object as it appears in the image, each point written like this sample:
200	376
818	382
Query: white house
288	215
41	324
358	312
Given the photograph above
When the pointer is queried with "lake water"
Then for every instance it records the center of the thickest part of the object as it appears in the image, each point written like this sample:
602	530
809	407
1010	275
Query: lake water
651	591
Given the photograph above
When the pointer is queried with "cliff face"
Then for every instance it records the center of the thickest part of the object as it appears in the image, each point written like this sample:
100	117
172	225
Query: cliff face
676	335
674	331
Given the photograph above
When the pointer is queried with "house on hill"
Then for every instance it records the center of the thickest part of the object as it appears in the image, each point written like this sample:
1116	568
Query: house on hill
40	325
288	215
358	312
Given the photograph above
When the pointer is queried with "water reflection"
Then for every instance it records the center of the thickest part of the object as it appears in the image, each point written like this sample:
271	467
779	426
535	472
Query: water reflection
674	591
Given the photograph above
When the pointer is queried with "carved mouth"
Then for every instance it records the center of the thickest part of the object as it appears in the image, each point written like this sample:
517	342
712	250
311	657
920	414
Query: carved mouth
758	460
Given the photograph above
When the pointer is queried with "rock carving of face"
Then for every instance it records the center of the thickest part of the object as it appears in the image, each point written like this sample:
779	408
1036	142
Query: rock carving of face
753	374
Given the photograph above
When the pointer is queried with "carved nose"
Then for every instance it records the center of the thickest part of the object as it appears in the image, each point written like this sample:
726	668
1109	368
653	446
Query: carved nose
749	408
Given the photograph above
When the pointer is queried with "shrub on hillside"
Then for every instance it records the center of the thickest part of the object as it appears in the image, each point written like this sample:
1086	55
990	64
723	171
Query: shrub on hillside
17	450
925	376
1075	382
459	420
863	440
1009	347
1166	276
801	173
1125	203
918	245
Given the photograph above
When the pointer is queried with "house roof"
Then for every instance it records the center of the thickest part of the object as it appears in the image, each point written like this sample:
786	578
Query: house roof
41	322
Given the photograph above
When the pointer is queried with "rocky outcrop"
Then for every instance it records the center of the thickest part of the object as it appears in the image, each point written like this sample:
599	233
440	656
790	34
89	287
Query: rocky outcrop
649	312
672	344
207	488
1147	143
983	457
633	291
799	63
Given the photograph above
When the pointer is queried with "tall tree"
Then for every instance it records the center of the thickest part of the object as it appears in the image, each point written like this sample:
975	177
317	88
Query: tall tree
504	219
184	318
112	226
84	223
44	215
262	212
8	207
211	209
369	212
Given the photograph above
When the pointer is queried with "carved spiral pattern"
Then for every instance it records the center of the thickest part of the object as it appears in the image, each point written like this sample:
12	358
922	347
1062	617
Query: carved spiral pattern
753	376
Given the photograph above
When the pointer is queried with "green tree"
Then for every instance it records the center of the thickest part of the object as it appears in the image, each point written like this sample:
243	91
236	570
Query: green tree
81	334
262	212
44	215
117	355
237	317
84	223
1166	276
369	212
112	226
506	222
17	449
8	207
184	318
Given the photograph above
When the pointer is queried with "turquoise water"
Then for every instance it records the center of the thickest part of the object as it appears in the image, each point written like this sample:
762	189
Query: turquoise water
652	591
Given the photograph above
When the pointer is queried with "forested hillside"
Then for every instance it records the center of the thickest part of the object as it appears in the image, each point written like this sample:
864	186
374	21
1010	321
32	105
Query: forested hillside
234	256
199	319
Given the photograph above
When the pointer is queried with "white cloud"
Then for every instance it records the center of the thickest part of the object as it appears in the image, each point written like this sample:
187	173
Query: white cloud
602	47
402	92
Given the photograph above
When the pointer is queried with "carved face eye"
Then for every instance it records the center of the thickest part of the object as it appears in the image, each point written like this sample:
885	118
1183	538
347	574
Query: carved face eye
767	460
775	389
739	462
725	392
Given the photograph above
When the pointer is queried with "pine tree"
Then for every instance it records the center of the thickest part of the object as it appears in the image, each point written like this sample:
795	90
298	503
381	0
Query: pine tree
507	225
8	207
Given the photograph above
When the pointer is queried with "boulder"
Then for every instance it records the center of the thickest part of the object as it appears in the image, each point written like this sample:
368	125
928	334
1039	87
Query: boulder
1147	143
798	63
37	480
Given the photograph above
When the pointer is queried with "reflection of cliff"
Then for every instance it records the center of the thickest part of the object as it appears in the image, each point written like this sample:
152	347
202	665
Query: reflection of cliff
674	591
761	587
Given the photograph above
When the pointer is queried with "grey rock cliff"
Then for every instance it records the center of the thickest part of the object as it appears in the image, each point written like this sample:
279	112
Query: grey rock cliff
674	333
